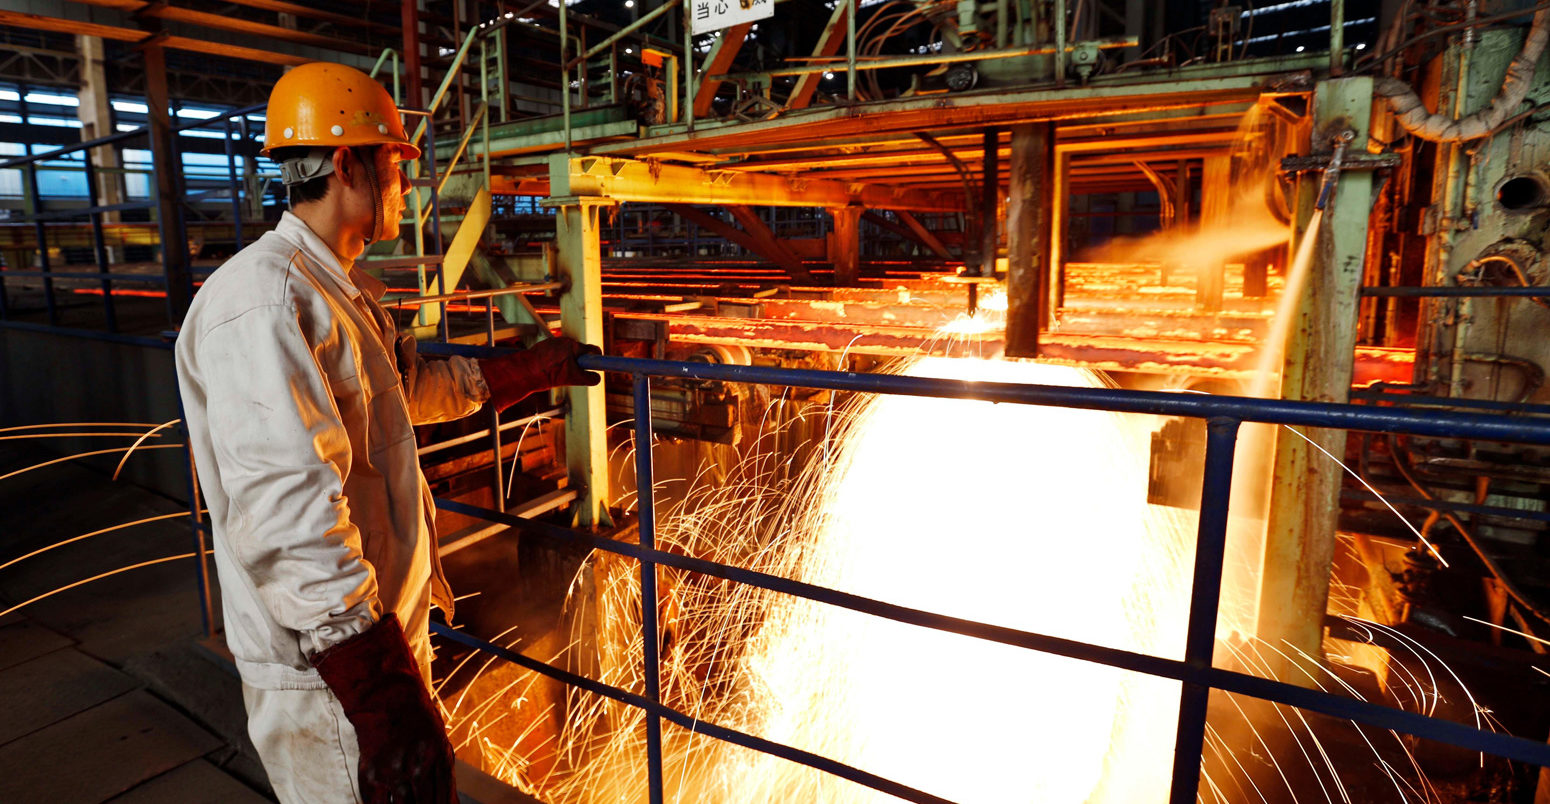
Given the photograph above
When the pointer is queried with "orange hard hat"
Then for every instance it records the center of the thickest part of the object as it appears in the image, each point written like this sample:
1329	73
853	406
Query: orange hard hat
324	105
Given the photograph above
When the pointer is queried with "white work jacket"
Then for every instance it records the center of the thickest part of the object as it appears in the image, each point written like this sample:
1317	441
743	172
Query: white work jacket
299	398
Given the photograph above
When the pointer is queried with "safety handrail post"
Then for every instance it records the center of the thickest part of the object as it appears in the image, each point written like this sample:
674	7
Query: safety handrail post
196	523
99	248
1205	603
646	518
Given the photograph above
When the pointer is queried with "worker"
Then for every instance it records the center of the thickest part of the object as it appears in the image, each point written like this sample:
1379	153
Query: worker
300	396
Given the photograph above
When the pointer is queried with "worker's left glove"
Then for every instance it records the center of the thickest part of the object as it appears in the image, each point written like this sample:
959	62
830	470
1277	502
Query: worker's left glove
548	364
405	754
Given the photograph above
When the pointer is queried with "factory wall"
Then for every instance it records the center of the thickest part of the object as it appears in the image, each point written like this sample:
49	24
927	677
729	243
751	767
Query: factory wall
54	378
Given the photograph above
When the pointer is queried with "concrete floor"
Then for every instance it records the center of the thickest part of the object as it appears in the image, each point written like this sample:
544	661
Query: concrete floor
108	695
109	692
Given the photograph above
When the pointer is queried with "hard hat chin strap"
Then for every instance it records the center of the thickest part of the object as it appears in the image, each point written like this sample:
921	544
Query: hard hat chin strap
319	162
368	160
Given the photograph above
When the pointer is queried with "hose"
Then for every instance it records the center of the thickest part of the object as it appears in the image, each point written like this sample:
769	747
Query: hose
1517	270
971	218
1413	116
1512	589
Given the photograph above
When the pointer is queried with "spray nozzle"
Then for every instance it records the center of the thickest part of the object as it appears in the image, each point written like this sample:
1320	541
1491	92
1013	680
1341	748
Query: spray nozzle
1341	140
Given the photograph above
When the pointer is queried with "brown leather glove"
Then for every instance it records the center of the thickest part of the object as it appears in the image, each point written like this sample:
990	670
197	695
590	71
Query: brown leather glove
405	754
550	363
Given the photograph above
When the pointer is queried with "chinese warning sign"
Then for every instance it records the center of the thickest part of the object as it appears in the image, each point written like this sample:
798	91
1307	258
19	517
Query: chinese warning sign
713	15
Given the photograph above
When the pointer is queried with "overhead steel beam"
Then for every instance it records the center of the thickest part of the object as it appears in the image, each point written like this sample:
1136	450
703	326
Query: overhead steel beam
967	146
937	112
163	11
1100	126
893	157
282	7
659	183
38	22
915	175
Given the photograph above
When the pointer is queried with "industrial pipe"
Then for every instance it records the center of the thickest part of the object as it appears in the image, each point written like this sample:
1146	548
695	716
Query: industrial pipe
1414	118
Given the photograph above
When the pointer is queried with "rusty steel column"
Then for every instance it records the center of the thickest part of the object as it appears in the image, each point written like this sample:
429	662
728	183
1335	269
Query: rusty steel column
410	19
990	192
1029	222
169	185
1320	356
845	245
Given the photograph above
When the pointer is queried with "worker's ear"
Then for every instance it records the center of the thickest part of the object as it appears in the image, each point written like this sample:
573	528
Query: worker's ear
345	167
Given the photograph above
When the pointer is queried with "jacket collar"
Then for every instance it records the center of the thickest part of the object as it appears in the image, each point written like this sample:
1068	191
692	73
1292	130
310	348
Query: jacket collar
352	282
373	287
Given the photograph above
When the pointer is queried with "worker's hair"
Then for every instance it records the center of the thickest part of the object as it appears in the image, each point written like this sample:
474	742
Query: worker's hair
310	190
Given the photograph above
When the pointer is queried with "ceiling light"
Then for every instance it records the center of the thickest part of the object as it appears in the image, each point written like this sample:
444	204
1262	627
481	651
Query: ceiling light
828	76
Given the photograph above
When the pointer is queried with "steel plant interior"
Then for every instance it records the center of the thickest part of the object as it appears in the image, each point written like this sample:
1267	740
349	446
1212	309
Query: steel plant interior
1336	205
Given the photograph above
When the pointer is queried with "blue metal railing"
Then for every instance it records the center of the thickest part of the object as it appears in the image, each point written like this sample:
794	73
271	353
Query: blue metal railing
1223	416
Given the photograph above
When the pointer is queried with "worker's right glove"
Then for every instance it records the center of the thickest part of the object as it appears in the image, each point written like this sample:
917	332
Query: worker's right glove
405	754
550	363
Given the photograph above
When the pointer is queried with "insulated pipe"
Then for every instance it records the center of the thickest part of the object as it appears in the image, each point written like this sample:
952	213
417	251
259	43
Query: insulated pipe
1414	118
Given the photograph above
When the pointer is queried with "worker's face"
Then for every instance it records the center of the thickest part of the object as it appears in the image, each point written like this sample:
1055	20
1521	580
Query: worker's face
363	197
394	186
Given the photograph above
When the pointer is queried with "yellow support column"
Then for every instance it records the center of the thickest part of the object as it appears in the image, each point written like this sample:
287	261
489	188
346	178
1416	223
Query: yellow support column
579	261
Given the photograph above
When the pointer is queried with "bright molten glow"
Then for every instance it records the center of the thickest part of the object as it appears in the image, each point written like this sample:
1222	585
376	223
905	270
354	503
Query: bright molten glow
1029	517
